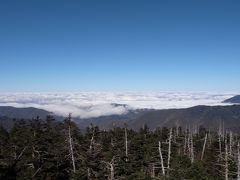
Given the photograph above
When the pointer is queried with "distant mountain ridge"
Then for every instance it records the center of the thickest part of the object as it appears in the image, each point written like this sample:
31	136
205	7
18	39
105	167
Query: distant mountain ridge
106	122
25	113
233	100
207	116
9	114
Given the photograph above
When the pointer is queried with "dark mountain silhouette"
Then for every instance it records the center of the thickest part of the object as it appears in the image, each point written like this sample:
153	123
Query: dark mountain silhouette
106	122
23	113
207	116
233	100
8	115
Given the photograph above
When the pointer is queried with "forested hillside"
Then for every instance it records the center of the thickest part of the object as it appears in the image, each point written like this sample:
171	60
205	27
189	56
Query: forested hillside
49	149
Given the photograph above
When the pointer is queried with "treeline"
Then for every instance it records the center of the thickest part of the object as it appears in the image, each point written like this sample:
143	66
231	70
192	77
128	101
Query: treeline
49	149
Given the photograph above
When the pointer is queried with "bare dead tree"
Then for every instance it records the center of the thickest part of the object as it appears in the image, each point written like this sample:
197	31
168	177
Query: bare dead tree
21	153
191	148
161	158
111	164
195	129
210	138
226	161
204	146
18	158
111	167
126	143
238	162
90	149
92	139
71	142
230	142
36	172
169	149
174	136
177	128
223	130
153	170
14	152
189	145
220	145
185	144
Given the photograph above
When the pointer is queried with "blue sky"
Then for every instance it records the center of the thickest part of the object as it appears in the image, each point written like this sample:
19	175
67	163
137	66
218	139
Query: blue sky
117	45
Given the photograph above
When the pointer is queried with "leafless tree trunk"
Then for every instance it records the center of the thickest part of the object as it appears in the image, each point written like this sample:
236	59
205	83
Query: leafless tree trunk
126	144
21	153
71	143
230	142
36	172
153	171
92	139
220	145
191	150
226	161
111	170
204	146
185	144
161	157
223	130
90	150
169	149
88	173
174	136
177	129
238	163
189	144
209	138
110	167
15	152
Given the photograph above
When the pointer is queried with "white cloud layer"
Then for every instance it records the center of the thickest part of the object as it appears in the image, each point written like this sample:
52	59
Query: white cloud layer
94	104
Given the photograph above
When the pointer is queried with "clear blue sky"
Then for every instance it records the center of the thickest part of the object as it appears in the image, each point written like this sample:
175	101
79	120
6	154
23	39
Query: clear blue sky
55	45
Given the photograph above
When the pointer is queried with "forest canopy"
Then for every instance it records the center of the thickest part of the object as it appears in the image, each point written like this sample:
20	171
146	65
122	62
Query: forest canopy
50	149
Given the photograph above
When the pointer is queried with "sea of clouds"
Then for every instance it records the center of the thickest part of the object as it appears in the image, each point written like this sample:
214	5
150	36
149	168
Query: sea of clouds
95	104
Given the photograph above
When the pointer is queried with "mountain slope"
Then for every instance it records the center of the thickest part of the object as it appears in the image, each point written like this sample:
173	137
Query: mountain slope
207	116
106	122
8	115
233	100
25	113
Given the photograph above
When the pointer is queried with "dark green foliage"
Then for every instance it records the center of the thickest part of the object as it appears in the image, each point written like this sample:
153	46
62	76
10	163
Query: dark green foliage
39	149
